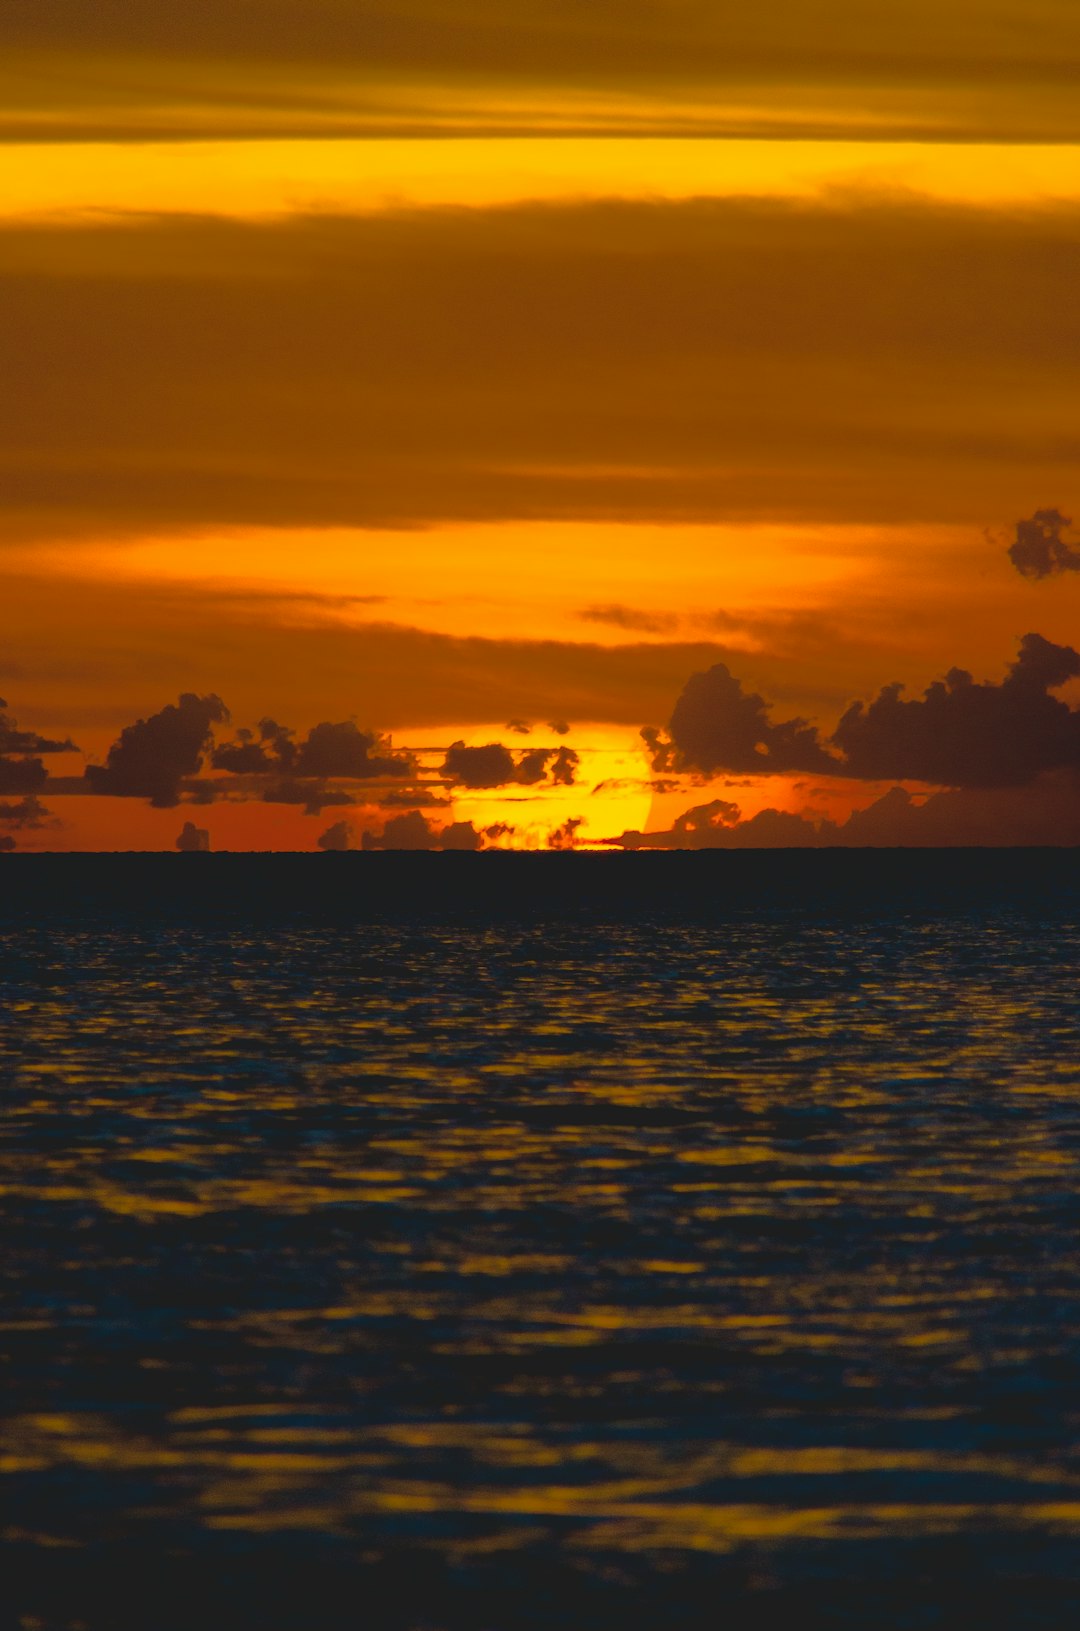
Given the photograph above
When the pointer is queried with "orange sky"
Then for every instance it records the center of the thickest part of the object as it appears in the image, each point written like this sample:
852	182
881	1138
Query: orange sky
440	376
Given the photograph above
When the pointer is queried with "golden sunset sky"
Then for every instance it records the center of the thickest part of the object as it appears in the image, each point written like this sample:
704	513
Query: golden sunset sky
478	374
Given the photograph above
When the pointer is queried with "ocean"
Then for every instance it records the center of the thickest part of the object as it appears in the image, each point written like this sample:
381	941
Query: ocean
482	1243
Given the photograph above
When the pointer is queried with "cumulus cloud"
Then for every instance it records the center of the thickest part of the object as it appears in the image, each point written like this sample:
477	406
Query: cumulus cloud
341	836
21	775
1040	549
152	757
716	725
21	770
28	812
412	831
193	840
7	843
964	733
460	835
244	756
345	750
960	733
14	740
493	765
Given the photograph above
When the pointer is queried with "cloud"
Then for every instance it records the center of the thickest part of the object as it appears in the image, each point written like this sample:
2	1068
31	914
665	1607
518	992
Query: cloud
192	839
460	835
13	740
28	812
345	750
22	775
559	726
961	733
841	357
519	726
1045	812
716	725
412	831
85	68
1040	549
246	755
627	617
341	836
152	757
565	835
968	734
493	765
7	843
312	795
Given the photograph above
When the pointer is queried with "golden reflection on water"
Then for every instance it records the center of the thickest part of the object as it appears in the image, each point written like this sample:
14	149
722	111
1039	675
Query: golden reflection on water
650	1242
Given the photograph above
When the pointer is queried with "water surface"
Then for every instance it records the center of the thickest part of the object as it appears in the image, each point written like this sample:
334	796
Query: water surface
478	1275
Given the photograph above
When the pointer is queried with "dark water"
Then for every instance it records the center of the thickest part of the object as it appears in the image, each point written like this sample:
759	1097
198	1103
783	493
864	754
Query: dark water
676	1270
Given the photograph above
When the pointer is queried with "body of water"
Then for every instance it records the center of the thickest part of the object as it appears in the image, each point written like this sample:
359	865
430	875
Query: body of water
482	1271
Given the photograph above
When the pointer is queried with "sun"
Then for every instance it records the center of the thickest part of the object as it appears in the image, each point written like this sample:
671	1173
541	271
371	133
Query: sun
611	792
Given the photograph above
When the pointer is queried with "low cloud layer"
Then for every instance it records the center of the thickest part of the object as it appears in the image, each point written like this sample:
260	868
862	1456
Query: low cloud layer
1047	812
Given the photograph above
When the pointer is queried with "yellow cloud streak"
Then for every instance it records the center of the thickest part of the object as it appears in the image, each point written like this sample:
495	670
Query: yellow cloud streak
266	180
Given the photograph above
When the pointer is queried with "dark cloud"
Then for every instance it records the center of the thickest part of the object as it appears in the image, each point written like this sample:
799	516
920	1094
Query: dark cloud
520	727
329	751
7	843
28	812
413	831
192	839
21	771
559	726
22	775
345	750
460	835
628	617
274	749
1040	548
960	733
1045	812
152	757
964	733
565	835
411	797
106	68
242	757
340	836
808	340
493	765
312	795
716	725
13	740
563	767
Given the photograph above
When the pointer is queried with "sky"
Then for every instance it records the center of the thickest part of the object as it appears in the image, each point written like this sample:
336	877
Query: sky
470	426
